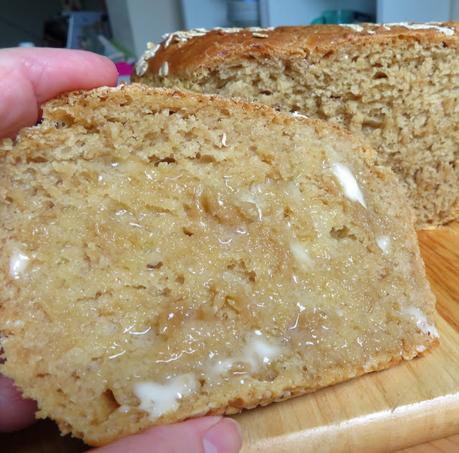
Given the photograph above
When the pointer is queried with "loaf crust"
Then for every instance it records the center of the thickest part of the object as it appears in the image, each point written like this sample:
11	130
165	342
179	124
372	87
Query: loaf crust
314	42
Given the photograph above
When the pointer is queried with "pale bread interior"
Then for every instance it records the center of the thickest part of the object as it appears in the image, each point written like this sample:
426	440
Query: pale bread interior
167	255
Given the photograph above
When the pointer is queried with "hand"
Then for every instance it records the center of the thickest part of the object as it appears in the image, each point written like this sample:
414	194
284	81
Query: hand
29	77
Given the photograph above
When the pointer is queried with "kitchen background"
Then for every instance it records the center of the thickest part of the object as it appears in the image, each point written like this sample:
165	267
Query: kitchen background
120	28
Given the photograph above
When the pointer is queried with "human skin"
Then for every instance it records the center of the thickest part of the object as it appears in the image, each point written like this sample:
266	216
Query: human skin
29	77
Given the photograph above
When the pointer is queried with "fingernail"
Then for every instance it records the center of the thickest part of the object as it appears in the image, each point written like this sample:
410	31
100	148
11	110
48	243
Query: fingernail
224	437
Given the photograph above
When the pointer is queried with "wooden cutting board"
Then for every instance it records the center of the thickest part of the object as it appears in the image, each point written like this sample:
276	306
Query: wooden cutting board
409	404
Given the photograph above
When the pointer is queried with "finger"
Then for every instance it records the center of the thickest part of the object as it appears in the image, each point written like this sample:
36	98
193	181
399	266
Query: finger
15	412
29	77
201	435
53	71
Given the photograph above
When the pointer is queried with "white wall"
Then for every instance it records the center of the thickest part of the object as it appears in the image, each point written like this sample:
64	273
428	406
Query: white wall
120	23
454	9
413	10
134	22
204	13
300	12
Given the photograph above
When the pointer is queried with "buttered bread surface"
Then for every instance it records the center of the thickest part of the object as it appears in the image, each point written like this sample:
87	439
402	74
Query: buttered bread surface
168	255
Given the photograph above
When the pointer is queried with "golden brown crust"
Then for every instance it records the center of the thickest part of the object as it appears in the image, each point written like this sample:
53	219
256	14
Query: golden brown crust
314	42
187	98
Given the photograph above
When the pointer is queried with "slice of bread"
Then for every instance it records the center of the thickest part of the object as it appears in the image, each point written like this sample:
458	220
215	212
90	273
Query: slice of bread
395	85
167	255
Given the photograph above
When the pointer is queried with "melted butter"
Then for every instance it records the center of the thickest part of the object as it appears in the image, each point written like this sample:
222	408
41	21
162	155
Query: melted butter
250	197
370	364
256	353
139	332
223	140
259	351
18	264
421	321
222	366
300	253
384	243
159	399
348	183
297	114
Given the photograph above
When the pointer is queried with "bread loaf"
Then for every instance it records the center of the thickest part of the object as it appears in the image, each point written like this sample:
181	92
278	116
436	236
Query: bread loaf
167	255
397	85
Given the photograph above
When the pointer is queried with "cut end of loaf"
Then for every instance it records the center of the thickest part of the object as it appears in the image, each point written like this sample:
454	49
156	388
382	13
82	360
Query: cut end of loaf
392	84
168	255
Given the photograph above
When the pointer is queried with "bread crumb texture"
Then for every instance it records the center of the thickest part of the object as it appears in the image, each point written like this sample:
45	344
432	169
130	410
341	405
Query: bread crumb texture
167	255
395	85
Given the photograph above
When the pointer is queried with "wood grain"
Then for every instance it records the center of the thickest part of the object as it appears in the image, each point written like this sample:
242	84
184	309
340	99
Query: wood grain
413	403
446	445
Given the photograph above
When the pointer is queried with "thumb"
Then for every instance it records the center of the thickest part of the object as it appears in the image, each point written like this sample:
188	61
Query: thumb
201	435
15	412
29	77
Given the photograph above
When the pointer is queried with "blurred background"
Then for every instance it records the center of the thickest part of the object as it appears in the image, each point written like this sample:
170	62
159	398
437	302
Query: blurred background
120	29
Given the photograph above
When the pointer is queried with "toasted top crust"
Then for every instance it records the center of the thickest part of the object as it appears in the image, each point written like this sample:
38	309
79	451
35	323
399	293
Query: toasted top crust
55	109
185	51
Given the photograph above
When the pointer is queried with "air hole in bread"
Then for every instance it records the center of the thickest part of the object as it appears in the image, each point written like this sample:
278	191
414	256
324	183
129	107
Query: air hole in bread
341	233
167	160
380	75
